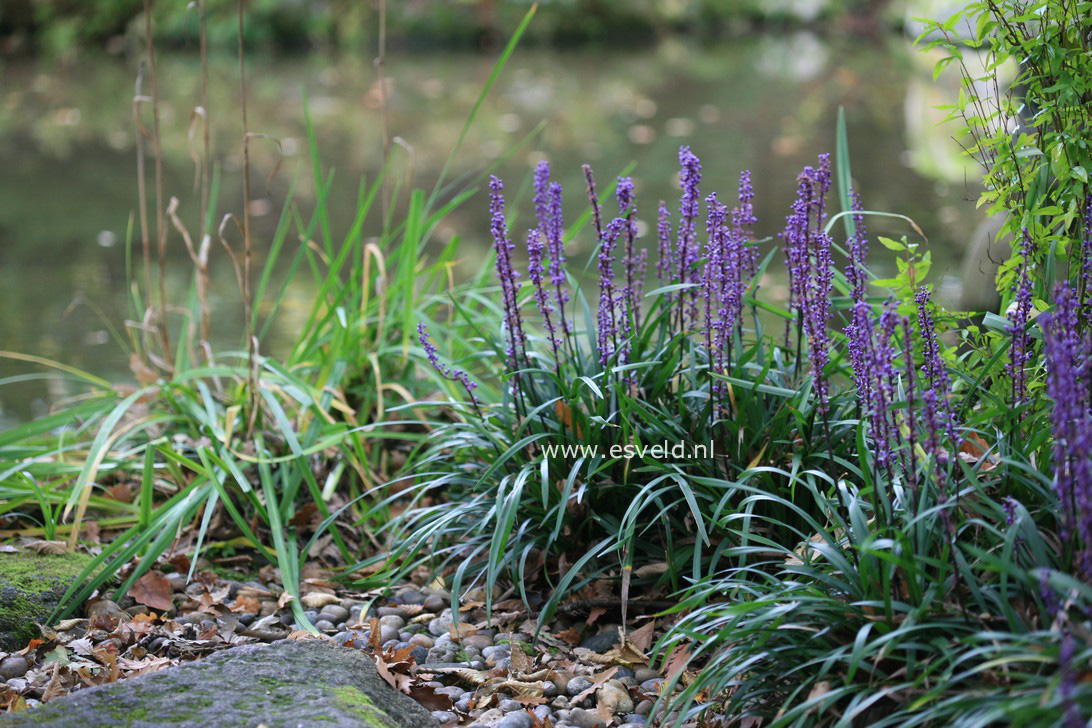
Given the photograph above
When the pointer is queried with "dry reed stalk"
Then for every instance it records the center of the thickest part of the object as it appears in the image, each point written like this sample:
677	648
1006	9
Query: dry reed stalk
141	134
160	218
380	66
252	341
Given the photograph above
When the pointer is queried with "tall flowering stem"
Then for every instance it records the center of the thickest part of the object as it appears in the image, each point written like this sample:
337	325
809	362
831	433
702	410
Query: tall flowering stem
516	351
911	468
686	247
551	225
607	330
449	373
935	371
937	416
542	296
713	281
593	200
1069	369
631	260
1020	352
665	266
856	272
1086	262
807	255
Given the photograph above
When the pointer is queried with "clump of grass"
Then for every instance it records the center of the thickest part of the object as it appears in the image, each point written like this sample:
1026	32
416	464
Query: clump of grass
559	457
229	448
876	537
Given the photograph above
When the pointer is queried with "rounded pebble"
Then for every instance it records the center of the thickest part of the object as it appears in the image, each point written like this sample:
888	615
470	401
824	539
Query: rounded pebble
585	718
644	707
507	706
481	641
410	596
334	613
516	720
392	620
636	719
387	634
434	603
645	673
653	685
441	625
422	640
399	611
419	654
490	716
615	698
325	625
13	667
444	716
577	685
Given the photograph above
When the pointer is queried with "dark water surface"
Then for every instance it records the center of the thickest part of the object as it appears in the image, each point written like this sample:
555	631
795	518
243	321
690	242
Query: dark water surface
68	186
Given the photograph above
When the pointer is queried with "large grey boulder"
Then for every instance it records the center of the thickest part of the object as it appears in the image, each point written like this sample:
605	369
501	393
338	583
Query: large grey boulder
288	683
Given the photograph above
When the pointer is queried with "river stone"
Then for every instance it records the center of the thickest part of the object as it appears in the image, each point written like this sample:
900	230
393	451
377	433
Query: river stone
31	585
288	683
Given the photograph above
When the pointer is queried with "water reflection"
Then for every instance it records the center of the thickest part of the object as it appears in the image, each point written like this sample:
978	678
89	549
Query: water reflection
767	104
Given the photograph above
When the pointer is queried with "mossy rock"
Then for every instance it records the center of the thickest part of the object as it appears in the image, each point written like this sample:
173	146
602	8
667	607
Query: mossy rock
31	585
288	683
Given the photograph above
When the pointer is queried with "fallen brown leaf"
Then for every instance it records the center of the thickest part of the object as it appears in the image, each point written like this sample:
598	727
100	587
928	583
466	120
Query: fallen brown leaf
642	638
153	590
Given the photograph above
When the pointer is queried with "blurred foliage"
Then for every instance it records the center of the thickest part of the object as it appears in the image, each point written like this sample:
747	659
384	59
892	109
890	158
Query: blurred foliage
58	26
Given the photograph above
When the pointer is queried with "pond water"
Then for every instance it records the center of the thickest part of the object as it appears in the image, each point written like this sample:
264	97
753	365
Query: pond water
68	189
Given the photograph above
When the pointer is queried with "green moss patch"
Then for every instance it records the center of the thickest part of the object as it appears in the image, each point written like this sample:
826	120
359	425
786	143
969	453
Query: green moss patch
31	585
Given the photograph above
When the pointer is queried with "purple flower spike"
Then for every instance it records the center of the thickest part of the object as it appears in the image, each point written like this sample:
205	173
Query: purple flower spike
628	210
807	255
1069	361
686	248
1086	259
858	252
607	330
743	220
542	297
509	281
713	281
550	223
1020	353
938	412
665	266
449	373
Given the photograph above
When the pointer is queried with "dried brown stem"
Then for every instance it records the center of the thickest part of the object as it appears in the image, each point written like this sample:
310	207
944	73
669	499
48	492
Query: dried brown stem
160	218
251	340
